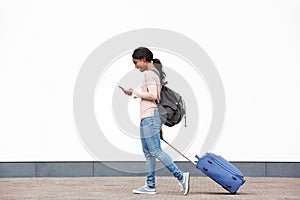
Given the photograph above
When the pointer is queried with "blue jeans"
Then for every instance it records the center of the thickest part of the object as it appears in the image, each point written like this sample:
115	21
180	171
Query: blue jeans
150	137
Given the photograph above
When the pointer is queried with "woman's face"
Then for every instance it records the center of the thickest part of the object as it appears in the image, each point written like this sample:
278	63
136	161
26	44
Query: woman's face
140	64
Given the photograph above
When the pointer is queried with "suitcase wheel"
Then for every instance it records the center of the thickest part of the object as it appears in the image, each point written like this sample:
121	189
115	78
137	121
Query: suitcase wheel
243	182
228	185
227	188
205	169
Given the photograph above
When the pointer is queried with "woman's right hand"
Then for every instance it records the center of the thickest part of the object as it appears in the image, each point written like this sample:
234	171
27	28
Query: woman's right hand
128	92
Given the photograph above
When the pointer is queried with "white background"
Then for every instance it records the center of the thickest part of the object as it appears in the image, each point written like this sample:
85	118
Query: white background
255	46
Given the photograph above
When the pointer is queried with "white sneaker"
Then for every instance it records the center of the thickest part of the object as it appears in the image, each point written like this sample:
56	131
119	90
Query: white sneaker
185	182
144	190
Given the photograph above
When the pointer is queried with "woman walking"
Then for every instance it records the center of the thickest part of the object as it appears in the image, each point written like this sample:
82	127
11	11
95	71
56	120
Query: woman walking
150	125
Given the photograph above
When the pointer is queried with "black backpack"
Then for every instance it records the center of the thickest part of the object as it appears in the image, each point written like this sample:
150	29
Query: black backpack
171	106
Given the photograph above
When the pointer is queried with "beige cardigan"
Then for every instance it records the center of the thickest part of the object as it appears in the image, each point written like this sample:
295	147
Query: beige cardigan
148	92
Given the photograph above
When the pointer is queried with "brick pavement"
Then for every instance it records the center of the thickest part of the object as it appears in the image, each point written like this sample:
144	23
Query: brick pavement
121	188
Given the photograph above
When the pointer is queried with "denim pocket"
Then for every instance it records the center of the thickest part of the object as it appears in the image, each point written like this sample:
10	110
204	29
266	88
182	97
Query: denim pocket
147	122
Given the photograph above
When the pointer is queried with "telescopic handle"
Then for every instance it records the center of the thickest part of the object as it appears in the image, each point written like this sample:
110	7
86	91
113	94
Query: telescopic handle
179	152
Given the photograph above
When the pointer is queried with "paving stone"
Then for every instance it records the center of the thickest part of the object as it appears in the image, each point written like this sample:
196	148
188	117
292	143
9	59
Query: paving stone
121	188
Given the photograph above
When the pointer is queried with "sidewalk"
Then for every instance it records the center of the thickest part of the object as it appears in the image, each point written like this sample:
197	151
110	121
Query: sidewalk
121	188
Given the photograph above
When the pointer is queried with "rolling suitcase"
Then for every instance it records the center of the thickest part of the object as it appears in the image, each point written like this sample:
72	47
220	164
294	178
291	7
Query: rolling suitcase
221	171
218	169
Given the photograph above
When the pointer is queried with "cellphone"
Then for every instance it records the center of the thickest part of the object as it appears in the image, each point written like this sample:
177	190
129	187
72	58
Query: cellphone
121	88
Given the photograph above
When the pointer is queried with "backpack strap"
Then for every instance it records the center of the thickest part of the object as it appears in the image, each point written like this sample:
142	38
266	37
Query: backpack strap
157	73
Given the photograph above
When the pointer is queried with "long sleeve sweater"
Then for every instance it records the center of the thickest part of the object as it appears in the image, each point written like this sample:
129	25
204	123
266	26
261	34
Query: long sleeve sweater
149	92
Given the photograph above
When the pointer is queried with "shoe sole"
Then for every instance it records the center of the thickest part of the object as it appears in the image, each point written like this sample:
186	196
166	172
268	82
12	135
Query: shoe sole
138	192
188	185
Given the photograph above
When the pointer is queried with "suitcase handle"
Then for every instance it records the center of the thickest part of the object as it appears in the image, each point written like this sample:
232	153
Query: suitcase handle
194	163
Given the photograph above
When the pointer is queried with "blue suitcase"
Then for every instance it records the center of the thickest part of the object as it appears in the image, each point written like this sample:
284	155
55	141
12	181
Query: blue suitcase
218	169
221	171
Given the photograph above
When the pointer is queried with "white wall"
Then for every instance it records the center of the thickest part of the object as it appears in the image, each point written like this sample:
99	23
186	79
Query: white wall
255	46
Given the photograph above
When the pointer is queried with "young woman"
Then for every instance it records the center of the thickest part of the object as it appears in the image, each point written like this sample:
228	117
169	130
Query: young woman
150	124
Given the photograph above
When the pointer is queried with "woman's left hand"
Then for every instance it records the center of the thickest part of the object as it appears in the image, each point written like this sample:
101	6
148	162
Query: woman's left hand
161	134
